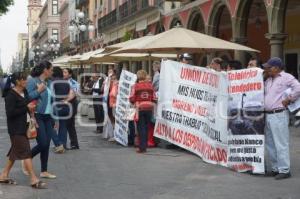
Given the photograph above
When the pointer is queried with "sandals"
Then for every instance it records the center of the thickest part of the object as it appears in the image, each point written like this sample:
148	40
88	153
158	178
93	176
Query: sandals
8	181
39	185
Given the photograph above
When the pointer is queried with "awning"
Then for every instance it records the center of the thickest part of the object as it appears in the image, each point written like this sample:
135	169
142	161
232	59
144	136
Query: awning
141	25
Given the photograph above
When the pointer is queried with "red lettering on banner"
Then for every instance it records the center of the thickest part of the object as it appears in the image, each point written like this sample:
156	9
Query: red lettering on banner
242	88
184	106
240	75
196	75
192	142
242	167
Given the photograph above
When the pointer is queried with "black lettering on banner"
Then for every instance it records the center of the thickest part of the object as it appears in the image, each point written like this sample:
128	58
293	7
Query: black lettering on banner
126	85
126	77
124	90
183	90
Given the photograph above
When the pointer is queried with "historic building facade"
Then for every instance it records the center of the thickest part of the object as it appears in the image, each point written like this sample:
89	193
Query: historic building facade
267	25
34	9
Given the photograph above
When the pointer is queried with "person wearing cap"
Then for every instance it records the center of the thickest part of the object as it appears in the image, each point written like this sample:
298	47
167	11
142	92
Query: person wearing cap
186	59
277	116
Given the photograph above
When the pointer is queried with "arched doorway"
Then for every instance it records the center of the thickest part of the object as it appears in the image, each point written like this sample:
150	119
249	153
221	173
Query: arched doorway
159	28
220	25
291	51
196	23
250	28
175	22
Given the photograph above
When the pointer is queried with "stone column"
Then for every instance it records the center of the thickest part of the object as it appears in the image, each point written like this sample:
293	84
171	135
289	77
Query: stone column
240	55
276	43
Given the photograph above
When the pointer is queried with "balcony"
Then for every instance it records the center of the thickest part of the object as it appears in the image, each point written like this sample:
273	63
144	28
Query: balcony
109	20
127	10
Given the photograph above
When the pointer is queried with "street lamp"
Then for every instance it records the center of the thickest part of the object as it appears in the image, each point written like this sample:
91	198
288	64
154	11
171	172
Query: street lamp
52	47
37	54
81	24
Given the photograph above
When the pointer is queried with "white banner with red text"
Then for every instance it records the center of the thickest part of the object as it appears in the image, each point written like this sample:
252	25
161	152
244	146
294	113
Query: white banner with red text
246	120
192	110
193	113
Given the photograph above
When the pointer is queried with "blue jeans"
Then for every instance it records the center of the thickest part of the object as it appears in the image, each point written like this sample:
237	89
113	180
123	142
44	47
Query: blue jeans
277	141
142	125
54	137
43	139
62	132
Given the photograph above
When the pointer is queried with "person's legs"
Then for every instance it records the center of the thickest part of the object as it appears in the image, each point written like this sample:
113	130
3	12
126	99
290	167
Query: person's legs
29	167
131	134
101	117
96	113
62	133
72	132
55	138
280	132
41	136
141	124
45	151
270	146
5	173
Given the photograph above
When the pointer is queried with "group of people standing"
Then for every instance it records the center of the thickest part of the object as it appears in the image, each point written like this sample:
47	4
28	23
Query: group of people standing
142	96
47	97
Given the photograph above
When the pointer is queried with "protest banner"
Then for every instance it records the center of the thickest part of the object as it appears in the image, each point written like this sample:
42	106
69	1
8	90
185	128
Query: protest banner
202	111
192	110
127	80
246	120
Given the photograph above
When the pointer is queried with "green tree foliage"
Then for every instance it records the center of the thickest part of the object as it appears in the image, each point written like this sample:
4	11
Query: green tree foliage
4	4
128	35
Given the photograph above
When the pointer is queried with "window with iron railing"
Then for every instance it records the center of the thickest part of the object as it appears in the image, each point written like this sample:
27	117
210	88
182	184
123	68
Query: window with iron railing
109	19
123	10
133	6
145	4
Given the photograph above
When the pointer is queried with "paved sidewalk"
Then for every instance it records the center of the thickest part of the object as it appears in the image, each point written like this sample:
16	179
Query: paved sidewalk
103	170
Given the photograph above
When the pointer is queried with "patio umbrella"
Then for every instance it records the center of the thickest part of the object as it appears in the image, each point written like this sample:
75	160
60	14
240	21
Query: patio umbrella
61	61
126	43
129	57
180	40
85	57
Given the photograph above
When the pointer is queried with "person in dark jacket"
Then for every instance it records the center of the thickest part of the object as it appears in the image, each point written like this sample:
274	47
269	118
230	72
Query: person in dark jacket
17	108
38	88
143	97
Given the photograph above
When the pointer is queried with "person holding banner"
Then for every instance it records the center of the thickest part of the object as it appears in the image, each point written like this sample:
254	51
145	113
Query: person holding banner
277	116
143	97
